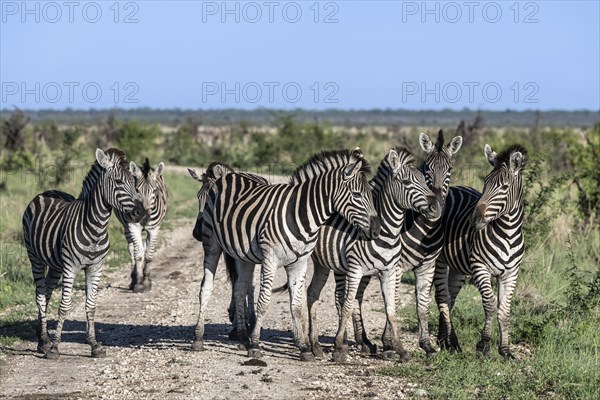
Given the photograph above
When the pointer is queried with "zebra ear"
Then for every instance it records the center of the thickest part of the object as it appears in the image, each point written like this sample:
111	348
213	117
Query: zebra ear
425	142
357	153
219	171
394	160
517	162
159	169
351	170
490	155
194	175
103	159
455	145
135	170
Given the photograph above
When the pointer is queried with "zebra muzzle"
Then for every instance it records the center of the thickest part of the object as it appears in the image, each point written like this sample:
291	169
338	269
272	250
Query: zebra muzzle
374	228
139	212
478	221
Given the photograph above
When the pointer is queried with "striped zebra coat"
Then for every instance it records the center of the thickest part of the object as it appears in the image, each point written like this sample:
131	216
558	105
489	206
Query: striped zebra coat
277	225
151	187
483	237
397	186
421	242
64	235
214	171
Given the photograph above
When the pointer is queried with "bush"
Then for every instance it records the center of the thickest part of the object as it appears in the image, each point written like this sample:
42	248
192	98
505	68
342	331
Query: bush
585	156
137	140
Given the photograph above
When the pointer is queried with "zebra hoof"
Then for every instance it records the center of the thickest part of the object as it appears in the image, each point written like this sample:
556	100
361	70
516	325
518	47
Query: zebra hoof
307	356
43	347
404	356
233	335
52	353
98	352
139	288
483	348
389	355
198	345
255	353
339	356
318	351
507	355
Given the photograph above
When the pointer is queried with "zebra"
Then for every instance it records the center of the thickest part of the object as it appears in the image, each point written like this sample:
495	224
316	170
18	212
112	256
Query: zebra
397	186
278	225
483	237
64	235
421	242
214	171
150	185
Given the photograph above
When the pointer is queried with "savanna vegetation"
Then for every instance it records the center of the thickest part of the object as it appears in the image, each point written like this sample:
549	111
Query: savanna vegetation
556	310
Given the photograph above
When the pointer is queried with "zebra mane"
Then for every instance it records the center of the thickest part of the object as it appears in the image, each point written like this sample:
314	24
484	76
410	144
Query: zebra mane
146	169
384	170
325	161
504	156
439	144
91	179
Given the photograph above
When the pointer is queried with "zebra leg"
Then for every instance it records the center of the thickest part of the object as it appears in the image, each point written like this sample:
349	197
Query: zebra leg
92	277
506	288
149	251
317	283
251	309
63	312
388	289
424	280
296	274
267	274
483	282
245	272
360	333
353	278
38	270
133	234
212	253
456	281
340	289
442	298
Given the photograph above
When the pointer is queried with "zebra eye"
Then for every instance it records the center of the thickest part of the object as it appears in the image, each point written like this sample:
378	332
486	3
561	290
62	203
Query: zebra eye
405	181
357	195
119	182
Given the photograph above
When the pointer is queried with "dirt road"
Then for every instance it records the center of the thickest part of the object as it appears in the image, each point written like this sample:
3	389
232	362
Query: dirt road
148	338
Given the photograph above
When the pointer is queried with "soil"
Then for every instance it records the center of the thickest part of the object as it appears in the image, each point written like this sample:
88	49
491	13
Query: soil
148	338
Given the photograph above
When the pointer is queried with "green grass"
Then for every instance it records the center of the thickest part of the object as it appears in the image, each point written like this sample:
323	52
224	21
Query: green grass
556	342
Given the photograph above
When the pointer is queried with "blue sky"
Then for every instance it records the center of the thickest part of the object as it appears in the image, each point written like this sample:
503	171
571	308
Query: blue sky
317	55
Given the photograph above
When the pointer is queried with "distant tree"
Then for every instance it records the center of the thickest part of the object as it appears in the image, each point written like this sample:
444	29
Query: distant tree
12	131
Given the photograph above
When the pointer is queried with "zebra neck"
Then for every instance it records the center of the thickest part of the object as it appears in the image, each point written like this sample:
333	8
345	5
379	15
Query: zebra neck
314	203
96	211
391	215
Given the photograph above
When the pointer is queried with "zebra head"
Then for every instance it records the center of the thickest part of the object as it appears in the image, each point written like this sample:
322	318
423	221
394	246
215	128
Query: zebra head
503	187
354	197
214	171
118	184
407	185
147	180
438	163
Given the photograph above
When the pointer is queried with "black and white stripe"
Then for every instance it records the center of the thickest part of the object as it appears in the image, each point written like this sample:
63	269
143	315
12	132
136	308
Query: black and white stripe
64	235
214	171
151	187
483	237
421	242
277	225
397	186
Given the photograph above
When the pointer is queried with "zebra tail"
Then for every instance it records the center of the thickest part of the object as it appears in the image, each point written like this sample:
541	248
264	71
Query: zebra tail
232	275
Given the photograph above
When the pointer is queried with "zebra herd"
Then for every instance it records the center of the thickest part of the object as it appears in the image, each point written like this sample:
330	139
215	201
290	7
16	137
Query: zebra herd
404	218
